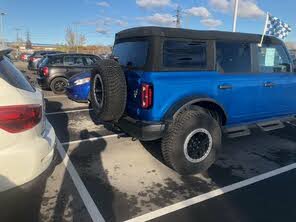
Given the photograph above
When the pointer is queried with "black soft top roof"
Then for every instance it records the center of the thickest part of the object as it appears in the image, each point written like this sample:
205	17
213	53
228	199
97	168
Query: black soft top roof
193	34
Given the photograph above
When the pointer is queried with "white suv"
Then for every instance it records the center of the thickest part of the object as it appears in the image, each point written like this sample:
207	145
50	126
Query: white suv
27	140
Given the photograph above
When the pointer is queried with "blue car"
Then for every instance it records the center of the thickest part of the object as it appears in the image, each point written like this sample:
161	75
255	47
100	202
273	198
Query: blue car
186	86
78	87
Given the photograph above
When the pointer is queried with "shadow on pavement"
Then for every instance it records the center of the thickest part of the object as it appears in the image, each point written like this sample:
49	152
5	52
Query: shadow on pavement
23	203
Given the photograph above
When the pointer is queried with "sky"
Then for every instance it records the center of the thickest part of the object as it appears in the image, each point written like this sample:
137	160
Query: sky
99	20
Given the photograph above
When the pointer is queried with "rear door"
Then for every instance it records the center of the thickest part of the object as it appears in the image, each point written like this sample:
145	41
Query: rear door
278	87
238	84
74	65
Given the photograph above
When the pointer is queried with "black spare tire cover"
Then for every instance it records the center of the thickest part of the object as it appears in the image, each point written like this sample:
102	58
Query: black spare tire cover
108	90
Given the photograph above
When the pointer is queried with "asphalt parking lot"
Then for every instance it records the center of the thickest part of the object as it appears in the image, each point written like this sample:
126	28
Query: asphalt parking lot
105	174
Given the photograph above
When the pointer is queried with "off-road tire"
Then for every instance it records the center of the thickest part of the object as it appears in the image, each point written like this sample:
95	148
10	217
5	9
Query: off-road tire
56	81
173	142
114	90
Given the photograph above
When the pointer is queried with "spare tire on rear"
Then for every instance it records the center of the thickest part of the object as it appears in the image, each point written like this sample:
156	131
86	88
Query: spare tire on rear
108	90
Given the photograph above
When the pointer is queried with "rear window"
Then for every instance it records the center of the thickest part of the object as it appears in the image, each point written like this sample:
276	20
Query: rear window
185	54
132	53
13	76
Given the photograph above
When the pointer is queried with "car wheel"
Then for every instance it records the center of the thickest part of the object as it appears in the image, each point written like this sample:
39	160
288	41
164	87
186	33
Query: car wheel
58	85
191	142
108	90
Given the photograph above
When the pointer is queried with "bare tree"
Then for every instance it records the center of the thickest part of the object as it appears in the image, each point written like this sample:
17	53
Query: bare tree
81	40
70	37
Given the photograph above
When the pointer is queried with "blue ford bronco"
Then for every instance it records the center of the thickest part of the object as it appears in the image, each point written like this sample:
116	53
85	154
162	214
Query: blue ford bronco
185	87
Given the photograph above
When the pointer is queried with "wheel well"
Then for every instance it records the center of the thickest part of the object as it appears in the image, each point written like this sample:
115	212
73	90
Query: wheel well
214	109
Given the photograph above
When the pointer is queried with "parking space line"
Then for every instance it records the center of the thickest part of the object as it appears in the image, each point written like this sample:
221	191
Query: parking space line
84	194
211	194
94	139
61	96
69	111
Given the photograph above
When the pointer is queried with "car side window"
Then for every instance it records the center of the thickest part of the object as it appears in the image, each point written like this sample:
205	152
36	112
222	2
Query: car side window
185	54
56	61
233	57
73	61
90	60
273	59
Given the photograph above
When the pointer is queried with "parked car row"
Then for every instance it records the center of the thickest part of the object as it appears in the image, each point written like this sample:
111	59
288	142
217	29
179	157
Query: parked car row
55	71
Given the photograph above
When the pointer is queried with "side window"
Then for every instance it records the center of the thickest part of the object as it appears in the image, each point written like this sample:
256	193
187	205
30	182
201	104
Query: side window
233	57
56	61
273	58
185	54
89	60
73	61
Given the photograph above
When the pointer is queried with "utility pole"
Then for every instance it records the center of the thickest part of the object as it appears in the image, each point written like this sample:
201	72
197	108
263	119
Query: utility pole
2	14
178	17
17	40
235	15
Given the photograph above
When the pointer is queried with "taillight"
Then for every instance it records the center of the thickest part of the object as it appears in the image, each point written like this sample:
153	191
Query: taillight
45	71
19	118
146	95
32	59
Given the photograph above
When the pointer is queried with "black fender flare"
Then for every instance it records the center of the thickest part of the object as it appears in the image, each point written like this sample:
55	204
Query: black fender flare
174	110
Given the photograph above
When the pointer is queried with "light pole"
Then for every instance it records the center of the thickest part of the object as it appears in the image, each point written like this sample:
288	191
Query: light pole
2	14
235	15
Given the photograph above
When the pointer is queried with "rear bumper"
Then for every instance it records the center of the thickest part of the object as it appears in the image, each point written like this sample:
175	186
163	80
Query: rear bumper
142	130
23	162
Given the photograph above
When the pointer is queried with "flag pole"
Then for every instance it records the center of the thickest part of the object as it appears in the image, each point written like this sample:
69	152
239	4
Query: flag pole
235	16
264	31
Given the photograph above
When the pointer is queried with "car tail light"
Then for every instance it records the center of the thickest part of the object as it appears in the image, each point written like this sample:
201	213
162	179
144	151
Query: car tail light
146	95
32	59
45	71
19	118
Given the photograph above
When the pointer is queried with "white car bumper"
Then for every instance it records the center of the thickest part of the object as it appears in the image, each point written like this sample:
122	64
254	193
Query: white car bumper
22	163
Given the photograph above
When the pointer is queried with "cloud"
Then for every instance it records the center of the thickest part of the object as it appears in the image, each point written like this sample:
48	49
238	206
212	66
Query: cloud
102	31
211	23
220	5
103	4
121	23
153	3
246	8
249	9
198	11
160	19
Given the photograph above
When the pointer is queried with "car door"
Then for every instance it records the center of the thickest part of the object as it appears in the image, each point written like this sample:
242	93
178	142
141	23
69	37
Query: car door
278	87
237	84
74	65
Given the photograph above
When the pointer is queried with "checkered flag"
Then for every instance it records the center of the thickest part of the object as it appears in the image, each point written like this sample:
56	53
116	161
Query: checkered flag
277	27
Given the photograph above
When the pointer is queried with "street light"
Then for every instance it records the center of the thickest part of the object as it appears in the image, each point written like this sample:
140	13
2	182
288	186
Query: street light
2	14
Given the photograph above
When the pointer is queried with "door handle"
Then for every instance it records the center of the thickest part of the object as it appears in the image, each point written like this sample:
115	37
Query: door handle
269	84
225	86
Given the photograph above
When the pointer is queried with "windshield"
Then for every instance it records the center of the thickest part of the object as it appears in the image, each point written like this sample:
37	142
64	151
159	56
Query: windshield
131	53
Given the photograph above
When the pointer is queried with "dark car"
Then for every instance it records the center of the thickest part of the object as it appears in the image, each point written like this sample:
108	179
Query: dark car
186	86
55	70
37	56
